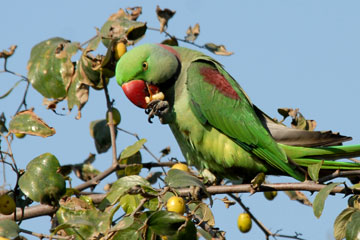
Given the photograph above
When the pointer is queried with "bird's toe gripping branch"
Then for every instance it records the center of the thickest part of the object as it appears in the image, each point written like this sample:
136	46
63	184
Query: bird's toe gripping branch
157	108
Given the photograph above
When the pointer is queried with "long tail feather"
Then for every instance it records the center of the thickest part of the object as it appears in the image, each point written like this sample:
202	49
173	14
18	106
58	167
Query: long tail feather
326	153
305	162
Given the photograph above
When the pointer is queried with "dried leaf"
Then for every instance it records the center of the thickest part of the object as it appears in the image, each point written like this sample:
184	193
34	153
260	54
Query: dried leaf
3	127
134	12
164	16
298	120
299	196
227	202
121	28
217	49
192	33
6	54
170	41
165	151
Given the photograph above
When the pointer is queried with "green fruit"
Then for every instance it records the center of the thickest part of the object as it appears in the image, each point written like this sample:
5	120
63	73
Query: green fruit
244	222
176	204
116	116
270	195
20	135
7	204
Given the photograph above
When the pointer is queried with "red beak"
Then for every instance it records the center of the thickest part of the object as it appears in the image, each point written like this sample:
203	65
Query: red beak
137	90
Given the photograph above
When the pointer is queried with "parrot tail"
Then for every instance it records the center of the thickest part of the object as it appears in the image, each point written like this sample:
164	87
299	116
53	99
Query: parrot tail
305	156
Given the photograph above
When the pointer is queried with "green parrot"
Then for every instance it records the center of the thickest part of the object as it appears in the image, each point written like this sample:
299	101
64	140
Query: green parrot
214	122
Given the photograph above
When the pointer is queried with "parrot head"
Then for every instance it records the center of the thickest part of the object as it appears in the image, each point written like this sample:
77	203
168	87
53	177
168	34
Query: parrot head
141	71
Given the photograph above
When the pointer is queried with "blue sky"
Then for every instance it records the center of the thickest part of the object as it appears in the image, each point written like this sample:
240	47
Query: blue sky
298	54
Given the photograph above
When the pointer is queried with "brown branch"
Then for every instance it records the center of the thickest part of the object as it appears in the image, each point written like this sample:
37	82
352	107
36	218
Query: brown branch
338	173
40	210
41	236
111	122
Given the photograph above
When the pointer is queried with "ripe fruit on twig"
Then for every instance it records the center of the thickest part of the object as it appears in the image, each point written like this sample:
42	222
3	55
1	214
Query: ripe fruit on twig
244	222
176	204
181	166
120	49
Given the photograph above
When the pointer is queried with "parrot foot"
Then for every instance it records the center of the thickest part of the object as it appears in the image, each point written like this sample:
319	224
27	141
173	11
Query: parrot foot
157	108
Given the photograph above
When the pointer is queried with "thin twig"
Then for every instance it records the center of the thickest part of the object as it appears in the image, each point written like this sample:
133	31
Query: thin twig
338	173
178	39
41	236
266	231
111	122
144	146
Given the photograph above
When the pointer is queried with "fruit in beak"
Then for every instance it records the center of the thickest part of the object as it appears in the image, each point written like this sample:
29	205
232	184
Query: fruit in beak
141	93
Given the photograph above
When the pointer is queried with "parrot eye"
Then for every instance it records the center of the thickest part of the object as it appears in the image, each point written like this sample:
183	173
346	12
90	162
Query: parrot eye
145	66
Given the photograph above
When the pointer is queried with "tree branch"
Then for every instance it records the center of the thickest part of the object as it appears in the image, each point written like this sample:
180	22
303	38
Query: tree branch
41	210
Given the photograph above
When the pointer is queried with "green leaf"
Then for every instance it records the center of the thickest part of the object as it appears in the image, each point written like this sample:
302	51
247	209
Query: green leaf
120	188
204	234
9	229
133	231
100	131
130	202
134	169
314	170
79	218
50	67
341	222
41	181
353	227
165	223
177	178
132	149
135	165
188	232
29	123
203	212
319	201
124	223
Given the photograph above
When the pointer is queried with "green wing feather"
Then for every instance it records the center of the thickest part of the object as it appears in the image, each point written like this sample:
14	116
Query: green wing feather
235	117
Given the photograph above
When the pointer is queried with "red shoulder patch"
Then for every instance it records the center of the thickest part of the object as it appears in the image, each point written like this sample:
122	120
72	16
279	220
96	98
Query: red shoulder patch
170	49
214	77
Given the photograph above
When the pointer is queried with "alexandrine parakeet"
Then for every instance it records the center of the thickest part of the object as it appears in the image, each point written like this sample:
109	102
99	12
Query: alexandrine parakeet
213	120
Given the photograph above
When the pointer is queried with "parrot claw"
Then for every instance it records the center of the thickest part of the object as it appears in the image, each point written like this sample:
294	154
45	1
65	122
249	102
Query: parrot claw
157	108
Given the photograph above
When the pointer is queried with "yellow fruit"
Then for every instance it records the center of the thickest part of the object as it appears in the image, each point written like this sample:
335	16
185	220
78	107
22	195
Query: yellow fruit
270	195
7	204
120	49
116	116
244	222
181	166
176	204
20	135
2	238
